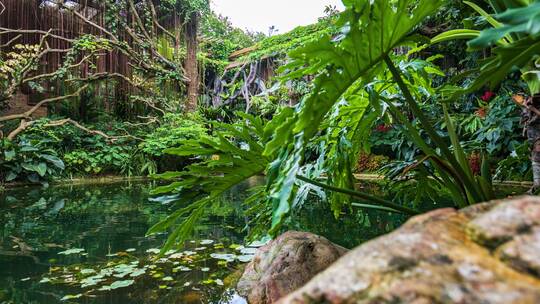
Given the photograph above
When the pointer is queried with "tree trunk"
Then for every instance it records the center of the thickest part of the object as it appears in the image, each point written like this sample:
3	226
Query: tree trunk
191	66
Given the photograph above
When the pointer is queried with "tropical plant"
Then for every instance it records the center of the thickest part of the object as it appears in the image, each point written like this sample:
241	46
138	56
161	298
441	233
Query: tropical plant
29	161
345	66
220	163
514	34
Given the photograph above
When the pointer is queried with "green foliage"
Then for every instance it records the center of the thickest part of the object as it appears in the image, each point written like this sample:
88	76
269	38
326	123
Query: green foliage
517	166
514	32
220	163
101	158
284	43
368	163
173	131
498	129
221	38
369	32
28	160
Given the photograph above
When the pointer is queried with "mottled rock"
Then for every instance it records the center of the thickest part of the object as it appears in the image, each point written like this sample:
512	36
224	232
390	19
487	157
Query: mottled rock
286	264
504	221
523	253
484	254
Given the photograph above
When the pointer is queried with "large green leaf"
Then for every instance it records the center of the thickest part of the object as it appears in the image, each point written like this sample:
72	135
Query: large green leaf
370	30
516	35
455	35
220	163
9	155
57	162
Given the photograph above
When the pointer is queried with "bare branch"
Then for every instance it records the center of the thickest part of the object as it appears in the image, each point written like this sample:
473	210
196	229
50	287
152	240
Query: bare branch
22	126
138	19
4	31
28	114
56	123
90	22
50	75
105	75
147	102
89	131
151	120
10	42
155	19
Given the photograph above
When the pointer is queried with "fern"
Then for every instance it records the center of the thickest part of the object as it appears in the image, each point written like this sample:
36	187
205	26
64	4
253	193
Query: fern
221	162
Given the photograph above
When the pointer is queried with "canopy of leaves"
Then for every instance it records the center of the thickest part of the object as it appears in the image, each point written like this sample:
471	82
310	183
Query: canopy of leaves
284	43
369	31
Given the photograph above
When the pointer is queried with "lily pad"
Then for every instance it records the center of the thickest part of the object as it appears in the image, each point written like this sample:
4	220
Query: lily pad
170	252
246	258
153	250
223	256
87	271
137	272
176	256
248	251
72	251
117	284
258	244
182	268
206	242
45	280
91	281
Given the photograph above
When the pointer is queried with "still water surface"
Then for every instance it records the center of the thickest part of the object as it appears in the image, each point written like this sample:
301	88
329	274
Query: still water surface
99	231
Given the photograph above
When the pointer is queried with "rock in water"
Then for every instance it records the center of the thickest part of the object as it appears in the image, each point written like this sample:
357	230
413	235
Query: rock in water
489	253
286	264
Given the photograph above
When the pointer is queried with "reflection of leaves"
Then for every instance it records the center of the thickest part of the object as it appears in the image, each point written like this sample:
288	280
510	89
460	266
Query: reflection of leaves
71	297
59	205
41	204
166	199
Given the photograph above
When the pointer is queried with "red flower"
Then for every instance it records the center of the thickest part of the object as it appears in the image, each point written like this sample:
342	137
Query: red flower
475	163
488	95
383	128
482	112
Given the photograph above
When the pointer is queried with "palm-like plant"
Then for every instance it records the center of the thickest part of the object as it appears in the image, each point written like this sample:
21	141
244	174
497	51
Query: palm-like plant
345	66
514	34
371	30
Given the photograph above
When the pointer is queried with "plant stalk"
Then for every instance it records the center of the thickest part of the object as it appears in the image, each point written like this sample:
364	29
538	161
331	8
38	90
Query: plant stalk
361	195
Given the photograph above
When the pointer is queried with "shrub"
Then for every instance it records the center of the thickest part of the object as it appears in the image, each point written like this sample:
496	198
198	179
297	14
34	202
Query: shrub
174	131
370	163
28	160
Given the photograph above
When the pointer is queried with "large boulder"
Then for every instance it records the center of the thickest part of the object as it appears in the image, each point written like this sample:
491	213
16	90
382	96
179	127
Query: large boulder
489	253
286	264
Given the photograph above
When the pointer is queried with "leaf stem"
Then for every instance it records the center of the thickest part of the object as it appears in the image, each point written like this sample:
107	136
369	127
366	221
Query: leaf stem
361	195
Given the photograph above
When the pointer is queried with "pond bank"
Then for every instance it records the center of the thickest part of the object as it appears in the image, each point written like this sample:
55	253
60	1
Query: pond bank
115	179
378	177
81	181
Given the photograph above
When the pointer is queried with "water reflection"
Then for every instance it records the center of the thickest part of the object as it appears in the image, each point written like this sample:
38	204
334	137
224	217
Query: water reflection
109	223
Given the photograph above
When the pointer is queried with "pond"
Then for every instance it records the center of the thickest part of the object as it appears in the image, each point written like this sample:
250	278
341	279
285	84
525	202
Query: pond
87	244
